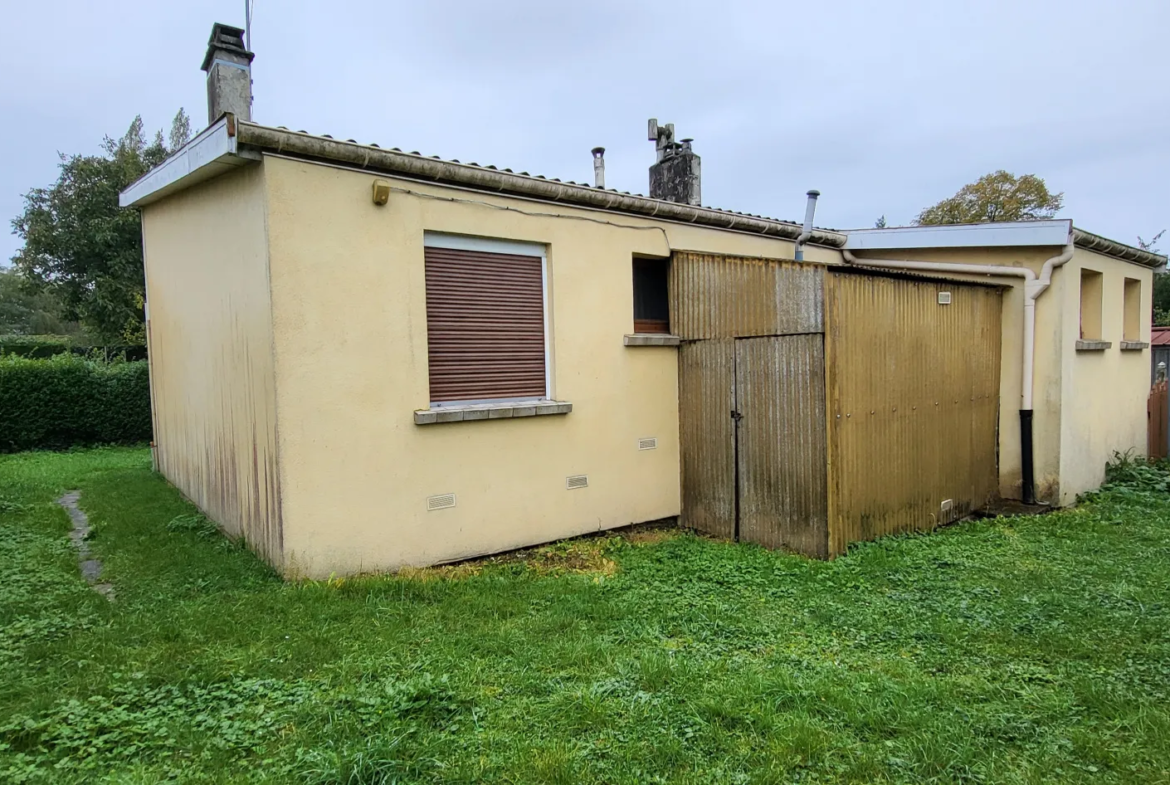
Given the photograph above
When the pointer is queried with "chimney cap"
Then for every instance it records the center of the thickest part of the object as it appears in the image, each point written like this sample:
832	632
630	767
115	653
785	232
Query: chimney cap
598	152
225	38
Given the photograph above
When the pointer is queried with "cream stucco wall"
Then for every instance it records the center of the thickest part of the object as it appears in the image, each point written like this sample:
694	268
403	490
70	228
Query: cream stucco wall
349	315
211	370
1103	396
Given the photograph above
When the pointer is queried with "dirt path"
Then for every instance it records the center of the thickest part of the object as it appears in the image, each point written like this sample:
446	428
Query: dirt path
91	569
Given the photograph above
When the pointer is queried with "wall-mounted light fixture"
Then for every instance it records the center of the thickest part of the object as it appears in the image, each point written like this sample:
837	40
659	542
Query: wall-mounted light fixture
381	192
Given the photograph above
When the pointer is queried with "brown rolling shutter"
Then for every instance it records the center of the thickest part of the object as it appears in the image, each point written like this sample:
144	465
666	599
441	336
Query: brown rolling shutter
485	325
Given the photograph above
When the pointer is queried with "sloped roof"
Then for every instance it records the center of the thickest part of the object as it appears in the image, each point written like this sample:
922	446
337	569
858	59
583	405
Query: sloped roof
229	143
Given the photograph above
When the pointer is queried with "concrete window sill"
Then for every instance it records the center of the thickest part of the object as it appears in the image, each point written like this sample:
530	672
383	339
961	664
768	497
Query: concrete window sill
1093	346
490	411
652	339
1134	346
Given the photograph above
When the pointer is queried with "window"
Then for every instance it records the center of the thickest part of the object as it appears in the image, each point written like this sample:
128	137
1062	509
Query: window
651	307
1090	305
1132	329
486	335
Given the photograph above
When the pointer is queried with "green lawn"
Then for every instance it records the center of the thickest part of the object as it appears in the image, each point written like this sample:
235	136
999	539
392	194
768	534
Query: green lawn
1021	650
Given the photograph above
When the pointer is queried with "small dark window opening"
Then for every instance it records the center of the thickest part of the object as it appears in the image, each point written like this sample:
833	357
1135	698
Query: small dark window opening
651	307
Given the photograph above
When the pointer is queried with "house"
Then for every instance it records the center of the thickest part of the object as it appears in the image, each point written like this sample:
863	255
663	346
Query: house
363	358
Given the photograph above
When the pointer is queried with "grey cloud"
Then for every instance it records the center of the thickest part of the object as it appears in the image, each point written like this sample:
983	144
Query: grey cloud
885	107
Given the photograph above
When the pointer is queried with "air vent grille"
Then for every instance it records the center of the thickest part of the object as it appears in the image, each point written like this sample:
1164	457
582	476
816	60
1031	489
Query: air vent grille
440	502
650	443
576	481
944	298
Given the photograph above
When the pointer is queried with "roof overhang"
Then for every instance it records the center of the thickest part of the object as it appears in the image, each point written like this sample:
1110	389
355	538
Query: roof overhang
1103	245
210	154
1017	234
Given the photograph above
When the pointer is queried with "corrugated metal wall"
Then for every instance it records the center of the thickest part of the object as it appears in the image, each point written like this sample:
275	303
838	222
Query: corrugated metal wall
706	377
780	396
913	397
715	296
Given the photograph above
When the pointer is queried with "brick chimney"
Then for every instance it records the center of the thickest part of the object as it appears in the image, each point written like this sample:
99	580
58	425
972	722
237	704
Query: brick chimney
228	64
675	176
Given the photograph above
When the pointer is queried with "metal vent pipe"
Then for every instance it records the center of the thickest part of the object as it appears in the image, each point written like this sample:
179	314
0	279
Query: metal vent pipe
809	210
599	167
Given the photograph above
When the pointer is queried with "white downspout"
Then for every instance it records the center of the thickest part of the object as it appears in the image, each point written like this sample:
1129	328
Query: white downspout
1033	287
1032	290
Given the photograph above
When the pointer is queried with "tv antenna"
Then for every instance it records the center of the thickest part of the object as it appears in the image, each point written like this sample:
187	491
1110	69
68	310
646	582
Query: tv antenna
248	24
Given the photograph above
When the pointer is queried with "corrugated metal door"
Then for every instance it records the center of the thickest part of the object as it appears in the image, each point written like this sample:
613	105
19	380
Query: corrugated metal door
485	325
780	403
707	435
913	376
752	398
752	421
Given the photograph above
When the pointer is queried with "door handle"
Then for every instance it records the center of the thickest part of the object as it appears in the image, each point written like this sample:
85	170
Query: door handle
736	415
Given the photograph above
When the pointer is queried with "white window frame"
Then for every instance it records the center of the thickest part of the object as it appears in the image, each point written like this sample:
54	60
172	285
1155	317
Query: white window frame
463	242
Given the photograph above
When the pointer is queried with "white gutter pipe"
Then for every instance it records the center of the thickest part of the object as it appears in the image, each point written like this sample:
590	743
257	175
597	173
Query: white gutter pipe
1034	286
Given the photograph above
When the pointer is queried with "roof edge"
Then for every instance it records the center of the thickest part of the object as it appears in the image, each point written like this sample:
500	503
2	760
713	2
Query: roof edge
490	179
213	152
1103	245
1052	233
980	235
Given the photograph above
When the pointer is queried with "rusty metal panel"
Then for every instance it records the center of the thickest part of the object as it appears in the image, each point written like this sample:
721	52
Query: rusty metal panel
707	435
714	296
913	403
485	325
780	396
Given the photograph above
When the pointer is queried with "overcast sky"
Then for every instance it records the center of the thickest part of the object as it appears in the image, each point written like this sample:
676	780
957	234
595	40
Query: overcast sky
885	107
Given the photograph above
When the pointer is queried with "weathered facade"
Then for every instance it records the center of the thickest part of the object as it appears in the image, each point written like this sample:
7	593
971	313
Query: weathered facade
363	359
210	335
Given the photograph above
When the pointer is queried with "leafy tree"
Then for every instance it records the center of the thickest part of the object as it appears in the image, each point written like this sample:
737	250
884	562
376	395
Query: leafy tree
880	223
1161	300
25	310
80	246
180	131
999	196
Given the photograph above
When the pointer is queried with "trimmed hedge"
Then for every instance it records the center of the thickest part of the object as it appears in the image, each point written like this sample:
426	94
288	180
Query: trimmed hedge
36	346
69	401
45	346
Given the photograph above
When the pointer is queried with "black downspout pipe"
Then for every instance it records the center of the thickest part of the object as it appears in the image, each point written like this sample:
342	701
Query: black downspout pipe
1028	488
